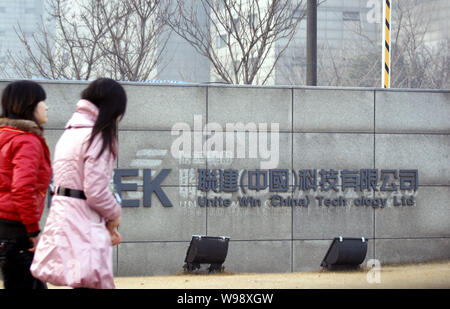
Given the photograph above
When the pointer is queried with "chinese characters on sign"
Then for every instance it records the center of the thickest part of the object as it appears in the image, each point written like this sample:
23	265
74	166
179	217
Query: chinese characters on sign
277	180
326	187
284	180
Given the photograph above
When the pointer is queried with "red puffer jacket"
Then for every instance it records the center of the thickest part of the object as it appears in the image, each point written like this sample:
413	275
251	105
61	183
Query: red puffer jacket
25	172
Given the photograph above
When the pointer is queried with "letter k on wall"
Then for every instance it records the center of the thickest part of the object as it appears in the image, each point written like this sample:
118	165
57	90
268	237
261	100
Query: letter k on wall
155	186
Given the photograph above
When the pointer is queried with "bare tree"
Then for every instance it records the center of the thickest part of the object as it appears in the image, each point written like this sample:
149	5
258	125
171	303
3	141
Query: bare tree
134	47
347	65
3	65
238	36
71	51
100	38
415	63
356	64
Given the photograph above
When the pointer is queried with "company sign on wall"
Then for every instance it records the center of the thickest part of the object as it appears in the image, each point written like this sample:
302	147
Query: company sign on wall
276	181
214	187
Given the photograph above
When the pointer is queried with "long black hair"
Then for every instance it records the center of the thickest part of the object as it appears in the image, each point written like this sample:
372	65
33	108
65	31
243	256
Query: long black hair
20	98
111	99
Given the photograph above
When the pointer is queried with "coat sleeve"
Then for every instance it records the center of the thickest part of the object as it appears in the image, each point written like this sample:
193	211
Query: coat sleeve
27	157
97	177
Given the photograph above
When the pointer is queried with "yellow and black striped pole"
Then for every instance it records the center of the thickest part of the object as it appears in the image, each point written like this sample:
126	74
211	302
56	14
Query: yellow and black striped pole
386	55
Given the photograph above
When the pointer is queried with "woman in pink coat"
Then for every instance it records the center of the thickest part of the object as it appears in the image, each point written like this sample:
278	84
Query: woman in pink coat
75	248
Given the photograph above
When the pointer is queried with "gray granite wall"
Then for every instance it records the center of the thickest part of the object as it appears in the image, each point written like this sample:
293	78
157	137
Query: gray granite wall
318	128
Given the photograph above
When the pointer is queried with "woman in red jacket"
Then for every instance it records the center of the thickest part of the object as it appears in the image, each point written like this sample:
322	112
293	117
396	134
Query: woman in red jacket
25	173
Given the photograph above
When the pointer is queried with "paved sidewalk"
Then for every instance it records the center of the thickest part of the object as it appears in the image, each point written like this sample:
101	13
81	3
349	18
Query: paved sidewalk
410	276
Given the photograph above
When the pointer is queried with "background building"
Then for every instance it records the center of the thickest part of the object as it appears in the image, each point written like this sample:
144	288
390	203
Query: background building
26	13
349	46
438	30
180	61
344	31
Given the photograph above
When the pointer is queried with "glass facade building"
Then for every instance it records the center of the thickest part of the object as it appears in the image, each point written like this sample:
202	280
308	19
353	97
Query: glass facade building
15	15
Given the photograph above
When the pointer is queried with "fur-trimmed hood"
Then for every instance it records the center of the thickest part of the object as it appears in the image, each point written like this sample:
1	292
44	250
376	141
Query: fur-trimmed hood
22	124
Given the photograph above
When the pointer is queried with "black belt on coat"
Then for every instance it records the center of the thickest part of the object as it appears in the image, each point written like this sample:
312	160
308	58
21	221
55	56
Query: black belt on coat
70	193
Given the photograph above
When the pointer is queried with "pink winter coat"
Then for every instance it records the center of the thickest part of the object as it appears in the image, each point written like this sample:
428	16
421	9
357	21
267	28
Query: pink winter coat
75	247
